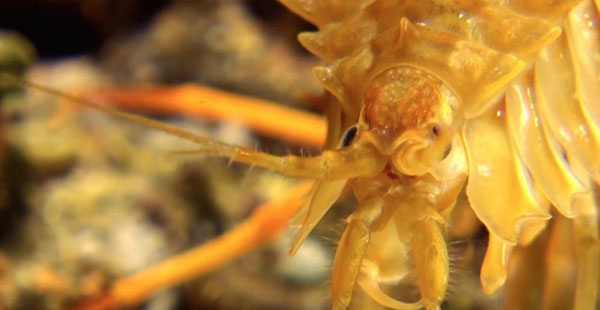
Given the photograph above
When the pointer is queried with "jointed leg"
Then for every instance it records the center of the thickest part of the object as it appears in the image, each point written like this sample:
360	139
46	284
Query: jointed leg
430	258
387	262
351	250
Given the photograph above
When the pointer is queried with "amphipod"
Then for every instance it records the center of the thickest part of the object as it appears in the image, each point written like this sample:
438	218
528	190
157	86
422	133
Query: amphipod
430	95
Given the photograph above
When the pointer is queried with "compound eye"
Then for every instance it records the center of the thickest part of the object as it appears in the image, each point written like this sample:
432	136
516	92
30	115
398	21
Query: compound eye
348	136
436	130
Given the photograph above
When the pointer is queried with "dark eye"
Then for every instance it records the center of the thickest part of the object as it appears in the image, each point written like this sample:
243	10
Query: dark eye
349	136
436	130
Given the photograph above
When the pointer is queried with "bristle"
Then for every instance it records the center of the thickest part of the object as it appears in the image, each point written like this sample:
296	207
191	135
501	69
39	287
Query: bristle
463	279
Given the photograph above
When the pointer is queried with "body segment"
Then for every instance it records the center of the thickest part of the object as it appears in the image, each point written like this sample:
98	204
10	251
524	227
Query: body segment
500	87
432	98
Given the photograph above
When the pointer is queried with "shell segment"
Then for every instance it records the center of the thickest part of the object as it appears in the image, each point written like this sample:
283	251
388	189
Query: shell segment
474	48
526	76
478	49
560	103
548	167
583	36
496	168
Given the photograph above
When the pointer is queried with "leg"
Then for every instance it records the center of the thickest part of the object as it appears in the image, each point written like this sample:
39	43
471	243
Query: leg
387	261
350	251
430	258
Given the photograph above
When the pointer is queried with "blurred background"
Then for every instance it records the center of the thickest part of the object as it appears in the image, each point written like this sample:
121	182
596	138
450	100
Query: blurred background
86	198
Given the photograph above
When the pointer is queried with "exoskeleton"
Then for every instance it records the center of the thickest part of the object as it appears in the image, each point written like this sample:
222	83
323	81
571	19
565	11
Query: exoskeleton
428	96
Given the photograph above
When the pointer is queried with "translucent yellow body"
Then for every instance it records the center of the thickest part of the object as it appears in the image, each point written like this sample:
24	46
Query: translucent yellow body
505	92
499	95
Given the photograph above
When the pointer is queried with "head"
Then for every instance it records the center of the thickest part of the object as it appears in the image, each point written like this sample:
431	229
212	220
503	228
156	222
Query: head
409	116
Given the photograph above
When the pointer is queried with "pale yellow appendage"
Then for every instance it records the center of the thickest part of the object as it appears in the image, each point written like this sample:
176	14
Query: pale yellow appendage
351	250
353	161
430	258
323	195
331	168
420	231
387	261
372	288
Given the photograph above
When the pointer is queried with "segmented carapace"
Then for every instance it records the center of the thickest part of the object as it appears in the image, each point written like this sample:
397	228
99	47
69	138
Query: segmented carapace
504	93
427	96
